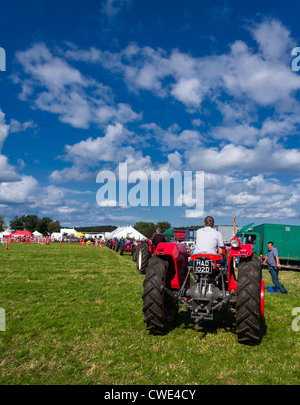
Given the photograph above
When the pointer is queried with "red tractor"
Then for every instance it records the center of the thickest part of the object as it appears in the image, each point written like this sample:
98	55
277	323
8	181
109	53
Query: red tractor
203	285
144	252
126	246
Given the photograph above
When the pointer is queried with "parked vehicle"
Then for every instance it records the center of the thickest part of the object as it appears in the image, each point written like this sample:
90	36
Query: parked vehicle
286	239
203	288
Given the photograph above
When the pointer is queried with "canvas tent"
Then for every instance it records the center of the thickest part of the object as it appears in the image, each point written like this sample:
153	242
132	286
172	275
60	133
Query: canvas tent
169	235
56	236
37	234
127	232
21	233
169	232
68	231
6	233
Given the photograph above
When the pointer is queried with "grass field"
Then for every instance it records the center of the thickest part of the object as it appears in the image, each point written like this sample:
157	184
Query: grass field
74	316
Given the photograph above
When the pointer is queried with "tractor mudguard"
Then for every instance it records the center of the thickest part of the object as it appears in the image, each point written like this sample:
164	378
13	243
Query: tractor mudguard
241	251
176	253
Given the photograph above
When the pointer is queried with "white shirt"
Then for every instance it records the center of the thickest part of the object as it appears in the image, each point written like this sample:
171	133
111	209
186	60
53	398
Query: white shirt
208	240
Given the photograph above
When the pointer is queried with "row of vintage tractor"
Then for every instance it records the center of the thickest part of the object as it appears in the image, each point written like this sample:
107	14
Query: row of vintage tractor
122	245
202	284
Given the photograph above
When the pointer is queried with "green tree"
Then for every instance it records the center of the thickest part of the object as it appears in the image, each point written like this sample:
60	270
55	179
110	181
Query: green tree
163	225
17	223
31	223
43	225
54	226
146	228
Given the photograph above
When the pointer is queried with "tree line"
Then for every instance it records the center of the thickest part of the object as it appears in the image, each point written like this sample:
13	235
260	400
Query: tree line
46	226
31	223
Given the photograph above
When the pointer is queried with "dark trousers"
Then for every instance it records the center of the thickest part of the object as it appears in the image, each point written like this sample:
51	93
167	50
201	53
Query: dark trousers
274	274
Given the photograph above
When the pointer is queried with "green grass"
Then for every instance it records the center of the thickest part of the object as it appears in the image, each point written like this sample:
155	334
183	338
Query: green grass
74	316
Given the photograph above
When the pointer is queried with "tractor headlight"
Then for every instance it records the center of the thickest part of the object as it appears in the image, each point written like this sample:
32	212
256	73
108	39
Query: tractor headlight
235	242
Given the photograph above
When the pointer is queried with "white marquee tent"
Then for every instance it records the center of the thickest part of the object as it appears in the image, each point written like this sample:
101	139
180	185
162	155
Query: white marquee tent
56	236
68	231
127	232
37	234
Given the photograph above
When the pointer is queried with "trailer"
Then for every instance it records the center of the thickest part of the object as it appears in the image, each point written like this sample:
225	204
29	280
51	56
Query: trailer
286	239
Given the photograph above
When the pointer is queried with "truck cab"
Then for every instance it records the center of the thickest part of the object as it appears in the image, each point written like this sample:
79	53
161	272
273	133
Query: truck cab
250	238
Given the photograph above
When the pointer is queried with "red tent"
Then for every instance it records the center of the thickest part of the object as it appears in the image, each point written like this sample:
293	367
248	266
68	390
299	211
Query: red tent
21	233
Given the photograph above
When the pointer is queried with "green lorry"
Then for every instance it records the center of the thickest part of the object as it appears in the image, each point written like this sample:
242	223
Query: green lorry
286	239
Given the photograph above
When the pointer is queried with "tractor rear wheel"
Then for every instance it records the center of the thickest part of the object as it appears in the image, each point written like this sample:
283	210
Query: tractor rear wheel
134	252
142	258
160	310
248	303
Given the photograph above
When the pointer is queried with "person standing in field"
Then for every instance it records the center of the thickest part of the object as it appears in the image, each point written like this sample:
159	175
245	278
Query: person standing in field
272	260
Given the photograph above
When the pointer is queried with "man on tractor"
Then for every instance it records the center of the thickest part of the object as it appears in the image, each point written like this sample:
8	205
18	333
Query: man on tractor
208	240
157	238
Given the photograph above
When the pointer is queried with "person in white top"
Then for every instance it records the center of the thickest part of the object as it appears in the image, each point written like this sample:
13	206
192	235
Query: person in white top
208	240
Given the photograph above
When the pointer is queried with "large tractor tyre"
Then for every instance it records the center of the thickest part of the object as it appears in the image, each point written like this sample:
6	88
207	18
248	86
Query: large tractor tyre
134	253
121	250
257	261
248	303
117	246
142	259
160	310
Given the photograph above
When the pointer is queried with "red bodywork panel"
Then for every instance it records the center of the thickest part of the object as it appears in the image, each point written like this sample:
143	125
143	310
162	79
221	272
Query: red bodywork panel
240	251
179	255
179	234
214	258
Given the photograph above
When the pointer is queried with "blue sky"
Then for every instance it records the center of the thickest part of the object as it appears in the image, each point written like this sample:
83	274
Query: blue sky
159	85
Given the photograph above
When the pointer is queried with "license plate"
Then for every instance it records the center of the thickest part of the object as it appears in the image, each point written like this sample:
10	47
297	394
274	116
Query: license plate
203	266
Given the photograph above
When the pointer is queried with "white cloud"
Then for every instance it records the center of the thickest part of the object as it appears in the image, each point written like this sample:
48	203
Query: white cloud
263	77
4	129
188	91
242	134
18	192
16	126
273	38
248	75
265	156
7	172
106	148
113	7
253	197
173	138
53	85
74	173
116	146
